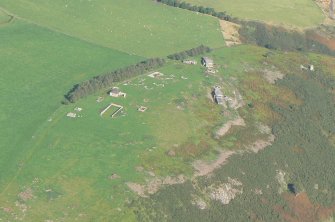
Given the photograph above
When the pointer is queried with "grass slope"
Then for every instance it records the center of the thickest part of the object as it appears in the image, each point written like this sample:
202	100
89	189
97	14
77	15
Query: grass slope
139	27
72	161
75	157
299	13
37	67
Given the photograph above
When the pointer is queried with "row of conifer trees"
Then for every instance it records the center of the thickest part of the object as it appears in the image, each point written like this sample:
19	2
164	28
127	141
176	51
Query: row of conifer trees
106	80
195	8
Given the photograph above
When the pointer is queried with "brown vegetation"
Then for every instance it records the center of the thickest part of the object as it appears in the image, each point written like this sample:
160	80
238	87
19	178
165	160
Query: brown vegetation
302	209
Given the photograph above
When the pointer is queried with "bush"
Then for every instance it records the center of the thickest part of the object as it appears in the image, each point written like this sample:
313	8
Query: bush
195	8
97	83
190	53
279	38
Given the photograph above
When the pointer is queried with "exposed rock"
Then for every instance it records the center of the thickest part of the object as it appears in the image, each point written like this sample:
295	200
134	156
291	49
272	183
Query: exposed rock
199	202
280	176
154	185
227	191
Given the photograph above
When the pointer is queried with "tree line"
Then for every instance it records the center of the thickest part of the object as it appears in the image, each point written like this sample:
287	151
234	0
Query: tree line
189	53
195	8
279	38
100	82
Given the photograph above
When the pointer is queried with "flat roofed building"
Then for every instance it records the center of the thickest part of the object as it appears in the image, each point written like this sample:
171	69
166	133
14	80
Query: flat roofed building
115	92
218	95
207	62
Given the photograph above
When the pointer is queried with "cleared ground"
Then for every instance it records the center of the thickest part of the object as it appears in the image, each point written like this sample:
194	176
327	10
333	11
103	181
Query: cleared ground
299	13
140	27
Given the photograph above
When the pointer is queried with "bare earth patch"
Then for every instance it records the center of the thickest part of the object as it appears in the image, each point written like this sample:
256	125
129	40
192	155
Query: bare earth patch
230	33
26	194
154	185
204	168
226	127
272	76
261	144
302	209
199	202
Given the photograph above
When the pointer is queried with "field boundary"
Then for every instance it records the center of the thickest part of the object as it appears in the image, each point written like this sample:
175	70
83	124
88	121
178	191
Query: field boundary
64	33
10	17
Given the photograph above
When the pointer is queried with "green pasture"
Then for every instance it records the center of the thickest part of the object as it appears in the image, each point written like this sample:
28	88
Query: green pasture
37	67
69	161
298	13
75	157
140	27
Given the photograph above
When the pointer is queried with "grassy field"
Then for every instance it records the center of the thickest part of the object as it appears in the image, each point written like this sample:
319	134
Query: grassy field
61	168
75	157
37	67
69	162
299	13
77	169
137	27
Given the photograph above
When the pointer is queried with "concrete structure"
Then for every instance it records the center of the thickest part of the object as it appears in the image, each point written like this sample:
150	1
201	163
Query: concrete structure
71	115
207	62
311	67
190	62
142	109
115	92
218	95
119	108
78	109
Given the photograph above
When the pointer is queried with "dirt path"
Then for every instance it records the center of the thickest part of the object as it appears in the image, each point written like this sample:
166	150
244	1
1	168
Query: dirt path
261	144
203	168
230	33
226	127
154	185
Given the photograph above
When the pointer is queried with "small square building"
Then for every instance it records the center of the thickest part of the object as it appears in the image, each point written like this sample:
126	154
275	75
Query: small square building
116	92
218	95
207	62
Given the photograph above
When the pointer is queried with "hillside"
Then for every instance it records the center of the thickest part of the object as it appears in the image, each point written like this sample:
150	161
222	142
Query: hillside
241	131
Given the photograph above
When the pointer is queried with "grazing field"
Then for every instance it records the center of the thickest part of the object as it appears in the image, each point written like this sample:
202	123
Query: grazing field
77	157
37	67
91	167
299	13
160	158
78	168
140	27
